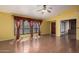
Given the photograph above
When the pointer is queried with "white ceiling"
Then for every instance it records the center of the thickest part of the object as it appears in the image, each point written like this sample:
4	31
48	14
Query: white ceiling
31	10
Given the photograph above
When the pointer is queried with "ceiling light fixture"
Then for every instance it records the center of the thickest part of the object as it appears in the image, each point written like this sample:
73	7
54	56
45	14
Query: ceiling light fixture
45	9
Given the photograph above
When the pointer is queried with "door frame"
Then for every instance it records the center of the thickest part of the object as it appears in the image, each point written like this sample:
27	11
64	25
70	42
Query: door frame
69	24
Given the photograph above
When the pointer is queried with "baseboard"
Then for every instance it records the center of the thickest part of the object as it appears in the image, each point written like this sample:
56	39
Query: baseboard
6	40
45	34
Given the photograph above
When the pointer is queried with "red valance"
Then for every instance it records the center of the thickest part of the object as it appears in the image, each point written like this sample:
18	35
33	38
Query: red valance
28	19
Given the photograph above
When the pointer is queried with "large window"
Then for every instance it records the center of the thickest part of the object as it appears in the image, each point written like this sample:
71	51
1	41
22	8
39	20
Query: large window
25	27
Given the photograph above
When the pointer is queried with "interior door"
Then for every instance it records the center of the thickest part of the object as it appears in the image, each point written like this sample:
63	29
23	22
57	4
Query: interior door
53	28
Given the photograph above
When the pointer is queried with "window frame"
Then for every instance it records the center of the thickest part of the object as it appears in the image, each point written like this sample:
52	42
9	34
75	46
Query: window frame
36	29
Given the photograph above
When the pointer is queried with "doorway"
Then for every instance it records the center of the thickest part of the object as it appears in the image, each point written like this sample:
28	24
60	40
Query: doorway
53	28
68	28
72	29
64	27
72	26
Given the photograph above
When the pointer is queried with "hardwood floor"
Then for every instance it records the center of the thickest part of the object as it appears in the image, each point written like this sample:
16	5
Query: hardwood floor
45	44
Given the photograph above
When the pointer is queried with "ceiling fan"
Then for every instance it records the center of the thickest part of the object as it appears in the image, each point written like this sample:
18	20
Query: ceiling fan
45	9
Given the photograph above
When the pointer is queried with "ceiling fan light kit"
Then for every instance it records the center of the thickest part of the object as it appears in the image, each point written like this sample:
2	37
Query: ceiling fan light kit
45	9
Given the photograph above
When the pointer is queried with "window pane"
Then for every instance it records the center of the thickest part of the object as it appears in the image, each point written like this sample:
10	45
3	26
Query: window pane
34	30
34	25
37	25
26	30
26	24
26	27
37	29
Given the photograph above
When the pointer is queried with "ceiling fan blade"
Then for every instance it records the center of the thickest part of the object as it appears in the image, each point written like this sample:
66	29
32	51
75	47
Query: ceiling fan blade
49	11
39	10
